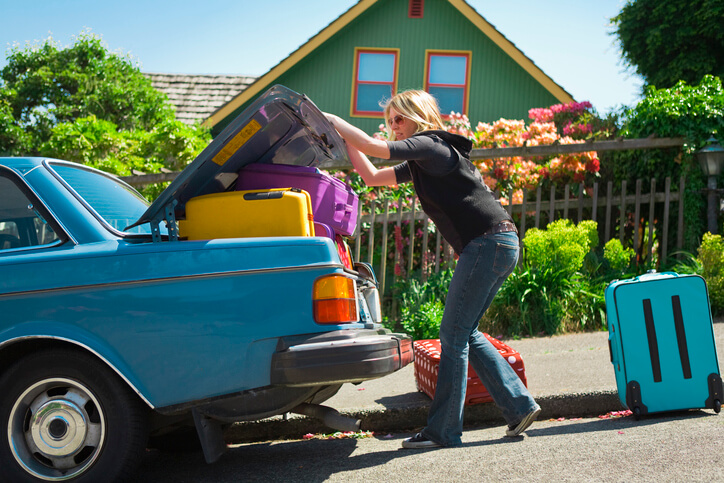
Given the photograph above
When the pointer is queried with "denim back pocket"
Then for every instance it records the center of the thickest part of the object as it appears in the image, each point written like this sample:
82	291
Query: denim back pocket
506	256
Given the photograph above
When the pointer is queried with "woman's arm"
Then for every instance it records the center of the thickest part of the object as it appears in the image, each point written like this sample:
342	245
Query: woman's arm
371	175
359	144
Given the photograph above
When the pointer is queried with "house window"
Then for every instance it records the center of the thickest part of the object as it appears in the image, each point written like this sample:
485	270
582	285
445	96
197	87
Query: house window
447	78
375	80
416	9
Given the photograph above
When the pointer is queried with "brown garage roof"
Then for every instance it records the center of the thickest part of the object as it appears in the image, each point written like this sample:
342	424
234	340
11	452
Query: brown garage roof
196	97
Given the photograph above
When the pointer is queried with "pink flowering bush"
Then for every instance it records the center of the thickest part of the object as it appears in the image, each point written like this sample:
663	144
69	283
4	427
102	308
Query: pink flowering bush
560	123
511	175
576	120
570	119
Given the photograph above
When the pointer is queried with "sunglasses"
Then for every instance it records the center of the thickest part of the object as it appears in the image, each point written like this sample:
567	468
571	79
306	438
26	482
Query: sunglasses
398	119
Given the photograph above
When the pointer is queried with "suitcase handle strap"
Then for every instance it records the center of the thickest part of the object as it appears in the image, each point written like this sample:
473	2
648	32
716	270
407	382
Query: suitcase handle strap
266	195
344	207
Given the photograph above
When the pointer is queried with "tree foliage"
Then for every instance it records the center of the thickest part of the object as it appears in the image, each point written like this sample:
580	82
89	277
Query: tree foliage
666	41
693	112
83	103
690	111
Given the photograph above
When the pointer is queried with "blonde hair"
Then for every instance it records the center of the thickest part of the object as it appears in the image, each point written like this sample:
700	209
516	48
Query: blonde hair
417	106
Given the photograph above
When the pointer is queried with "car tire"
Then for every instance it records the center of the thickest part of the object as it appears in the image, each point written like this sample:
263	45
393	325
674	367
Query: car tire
69	418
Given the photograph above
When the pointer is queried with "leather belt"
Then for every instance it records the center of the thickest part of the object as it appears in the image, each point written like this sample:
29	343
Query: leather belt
502	227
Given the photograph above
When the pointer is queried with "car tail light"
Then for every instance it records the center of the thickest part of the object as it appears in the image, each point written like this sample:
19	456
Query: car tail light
335	300
345	254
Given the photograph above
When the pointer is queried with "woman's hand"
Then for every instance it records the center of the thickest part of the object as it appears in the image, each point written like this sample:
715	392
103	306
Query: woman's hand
359	144
331	118
356	137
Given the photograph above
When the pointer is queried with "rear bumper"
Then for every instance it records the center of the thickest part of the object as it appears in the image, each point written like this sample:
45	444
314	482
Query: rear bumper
339	357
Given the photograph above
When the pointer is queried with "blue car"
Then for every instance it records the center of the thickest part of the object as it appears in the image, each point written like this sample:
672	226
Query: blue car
114	327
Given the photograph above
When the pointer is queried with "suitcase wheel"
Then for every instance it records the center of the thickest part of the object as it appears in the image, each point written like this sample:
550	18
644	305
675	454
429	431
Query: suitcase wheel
637	413
717	406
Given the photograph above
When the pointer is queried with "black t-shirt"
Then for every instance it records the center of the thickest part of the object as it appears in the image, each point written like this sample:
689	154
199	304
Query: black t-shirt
450	188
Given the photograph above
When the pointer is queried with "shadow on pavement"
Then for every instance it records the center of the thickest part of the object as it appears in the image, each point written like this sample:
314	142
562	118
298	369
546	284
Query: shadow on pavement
415	399
300	461
312	461
588	426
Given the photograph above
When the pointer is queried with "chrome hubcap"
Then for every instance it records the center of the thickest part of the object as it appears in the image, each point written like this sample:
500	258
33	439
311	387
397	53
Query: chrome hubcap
56	429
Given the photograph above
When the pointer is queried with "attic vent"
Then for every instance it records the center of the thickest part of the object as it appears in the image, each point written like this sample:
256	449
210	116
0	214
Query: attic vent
417	8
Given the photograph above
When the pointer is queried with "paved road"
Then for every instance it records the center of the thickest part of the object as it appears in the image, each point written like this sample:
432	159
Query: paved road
571	377
687	446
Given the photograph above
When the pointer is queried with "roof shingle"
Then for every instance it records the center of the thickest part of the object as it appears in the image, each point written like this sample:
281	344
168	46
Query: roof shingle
196	97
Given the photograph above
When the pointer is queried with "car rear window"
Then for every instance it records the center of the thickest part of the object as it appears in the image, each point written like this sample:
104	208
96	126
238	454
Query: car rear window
21	224
116	203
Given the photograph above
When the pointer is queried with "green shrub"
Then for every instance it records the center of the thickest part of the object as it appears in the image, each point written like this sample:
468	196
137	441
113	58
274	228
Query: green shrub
422	304
618	257
538	297
711	260
562	246
86	104
547	293
424	321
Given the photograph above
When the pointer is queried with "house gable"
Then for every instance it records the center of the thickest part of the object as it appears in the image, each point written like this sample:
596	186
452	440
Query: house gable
503	81
270	78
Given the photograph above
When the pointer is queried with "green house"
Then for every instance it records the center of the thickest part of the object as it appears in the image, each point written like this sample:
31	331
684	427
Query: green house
380	47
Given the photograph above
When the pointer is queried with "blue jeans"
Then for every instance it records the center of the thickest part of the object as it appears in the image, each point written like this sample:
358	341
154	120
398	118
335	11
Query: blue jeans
482	268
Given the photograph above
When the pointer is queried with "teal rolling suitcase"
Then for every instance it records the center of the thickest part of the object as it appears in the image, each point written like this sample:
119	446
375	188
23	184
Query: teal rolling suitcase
661	339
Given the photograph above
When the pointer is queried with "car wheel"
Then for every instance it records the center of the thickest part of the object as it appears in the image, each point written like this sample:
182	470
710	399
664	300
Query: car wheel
69	418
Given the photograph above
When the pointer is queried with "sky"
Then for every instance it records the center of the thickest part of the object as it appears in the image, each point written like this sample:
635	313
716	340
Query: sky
570	40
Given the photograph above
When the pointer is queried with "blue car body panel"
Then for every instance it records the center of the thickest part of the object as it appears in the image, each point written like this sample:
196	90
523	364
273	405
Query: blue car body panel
187	322
186	312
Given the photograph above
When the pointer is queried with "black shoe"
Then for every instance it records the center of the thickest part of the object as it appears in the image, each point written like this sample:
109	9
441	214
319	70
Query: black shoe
523	425
419	442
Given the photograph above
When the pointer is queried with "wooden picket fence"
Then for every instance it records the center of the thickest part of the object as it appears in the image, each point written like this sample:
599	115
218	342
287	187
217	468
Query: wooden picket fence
610	210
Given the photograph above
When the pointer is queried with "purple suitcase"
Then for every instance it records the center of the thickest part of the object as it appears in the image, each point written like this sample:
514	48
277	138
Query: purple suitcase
334	203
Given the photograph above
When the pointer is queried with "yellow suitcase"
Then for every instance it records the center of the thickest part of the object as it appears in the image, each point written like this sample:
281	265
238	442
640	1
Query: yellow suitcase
251	213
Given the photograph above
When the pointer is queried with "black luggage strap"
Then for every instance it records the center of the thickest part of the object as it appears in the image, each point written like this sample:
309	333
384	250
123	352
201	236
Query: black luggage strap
653	343
681	336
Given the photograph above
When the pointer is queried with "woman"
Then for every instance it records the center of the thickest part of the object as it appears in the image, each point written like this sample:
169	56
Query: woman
453	194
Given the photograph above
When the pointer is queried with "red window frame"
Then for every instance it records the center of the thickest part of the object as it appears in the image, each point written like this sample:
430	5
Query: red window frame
466	86
356	82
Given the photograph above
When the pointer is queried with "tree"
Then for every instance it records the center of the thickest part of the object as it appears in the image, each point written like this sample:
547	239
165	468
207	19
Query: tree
666	41
690	111
85	104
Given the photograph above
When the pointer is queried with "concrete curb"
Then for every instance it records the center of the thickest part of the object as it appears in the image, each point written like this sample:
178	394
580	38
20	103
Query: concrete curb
570	376
413	417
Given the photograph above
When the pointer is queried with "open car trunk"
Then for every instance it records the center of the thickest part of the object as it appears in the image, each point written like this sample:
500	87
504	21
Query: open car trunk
281	127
